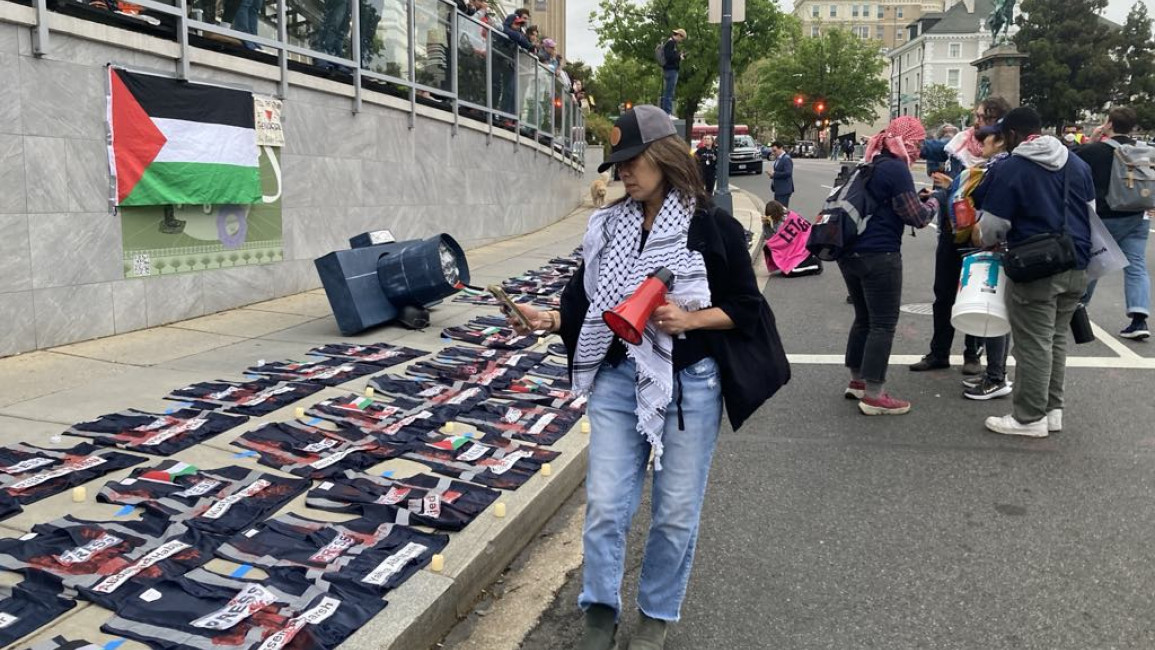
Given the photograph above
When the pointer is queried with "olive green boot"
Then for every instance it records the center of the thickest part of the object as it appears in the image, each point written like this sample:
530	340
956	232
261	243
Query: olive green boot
601	627
651	634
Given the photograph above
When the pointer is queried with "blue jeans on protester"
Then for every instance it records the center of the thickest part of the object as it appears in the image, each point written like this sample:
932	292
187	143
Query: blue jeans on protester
671	80
618	455
246	19
1131	234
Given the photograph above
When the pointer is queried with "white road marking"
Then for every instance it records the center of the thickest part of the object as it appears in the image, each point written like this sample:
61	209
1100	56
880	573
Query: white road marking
1113	343
1123	363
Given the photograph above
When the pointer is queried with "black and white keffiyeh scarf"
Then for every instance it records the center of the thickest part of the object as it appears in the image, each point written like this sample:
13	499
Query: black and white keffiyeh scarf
613	270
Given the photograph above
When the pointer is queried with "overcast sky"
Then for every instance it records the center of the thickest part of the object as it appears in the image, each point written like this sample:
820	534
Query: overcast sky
582	43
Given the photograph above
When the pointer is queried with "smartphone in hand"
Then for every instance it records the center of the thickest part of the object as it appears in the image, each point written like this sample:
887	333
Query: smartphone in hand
508	307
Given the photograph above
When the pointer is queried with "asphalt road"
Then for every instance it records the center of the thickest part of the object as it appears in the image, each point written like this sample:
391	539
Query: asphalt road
823	528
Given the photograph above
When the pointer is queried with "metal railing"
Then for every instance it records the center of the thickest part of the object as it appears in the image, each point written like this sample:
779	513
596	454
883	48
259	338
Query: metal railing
440	56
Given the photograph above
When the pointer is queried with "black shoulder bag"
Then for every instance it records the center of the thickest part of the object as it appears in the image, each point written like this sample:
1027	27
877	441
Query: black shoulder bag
1046	254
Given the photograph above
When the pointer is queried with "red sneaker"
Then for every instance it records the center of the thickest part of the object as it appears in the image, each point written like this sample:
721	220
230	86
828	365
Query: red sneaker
855	390
883	405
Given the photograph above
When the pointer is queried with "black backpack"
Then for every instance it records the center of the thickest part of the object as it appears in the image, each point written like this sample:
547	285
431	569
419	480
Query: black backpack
844	216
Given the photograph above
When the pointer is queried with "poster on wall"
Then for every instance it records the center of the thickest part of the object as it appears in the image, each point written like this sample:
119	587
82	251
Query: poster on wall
161	240
194	186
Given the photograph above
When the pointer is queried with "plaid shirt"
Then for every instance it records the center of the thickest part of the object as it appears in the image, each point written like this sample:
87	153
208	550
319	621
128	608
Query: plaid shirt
913	211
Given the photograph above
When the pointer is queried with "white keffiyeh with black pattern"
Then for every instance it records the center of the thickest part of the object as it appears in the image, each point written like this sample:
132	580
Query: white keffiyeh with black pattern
613	270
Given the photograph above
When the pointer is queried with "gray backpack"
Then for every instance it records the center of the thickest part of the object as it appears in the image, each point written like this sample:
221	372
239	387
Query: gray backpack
660	54
1132	187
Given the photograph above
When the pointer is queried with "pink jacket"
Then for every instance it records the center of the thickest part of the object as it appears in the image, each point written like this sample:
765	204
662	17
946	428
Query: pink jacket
786	248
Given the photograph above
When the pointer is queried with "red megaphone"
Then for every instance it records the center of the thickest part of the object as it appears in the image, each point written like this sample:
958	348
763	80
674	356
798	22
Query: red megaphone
628	319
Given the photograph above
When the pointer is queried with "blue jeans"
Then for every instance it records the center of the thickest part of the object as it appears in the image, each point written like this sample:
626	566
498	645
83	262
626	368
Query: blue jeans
618	456
246	19
671	80
1131	234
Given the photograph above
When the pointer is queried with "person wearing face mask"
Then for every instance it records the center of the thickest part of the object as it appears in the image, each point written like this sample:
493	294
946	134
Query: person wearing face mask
873	268
713	342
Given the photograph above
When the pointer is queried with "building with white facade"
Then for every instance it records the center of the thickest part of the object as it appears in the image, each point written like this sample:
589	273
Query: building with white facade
939	49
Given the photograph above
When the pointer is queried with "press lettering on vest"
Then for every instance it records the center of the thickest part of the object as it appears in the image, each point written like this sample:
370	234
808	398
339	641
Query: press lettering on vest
172	432
6	620
505	464
114	581
333	549
200	488
394	496
249	601
82	554
221	507
27	465
331	460
474	452
320	446
88	462
394	563
542	423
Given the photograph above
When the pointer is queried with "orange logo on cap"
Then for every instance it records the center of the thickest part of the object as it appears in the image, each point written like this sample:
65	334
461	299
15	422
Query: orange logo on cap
615	137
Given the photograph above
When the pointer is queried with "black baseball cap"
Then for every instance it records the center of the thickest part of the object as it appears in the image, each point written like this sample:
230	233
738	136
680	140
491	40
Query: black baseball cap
634	131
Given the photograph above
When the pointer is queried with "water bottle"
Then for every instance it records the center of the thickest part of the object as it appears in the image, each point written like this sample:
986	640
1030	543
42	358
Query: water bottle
1081	325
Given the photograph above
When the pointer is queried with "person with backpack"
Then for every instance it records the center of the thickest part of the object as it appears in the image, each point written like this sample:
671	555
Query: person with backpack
1123	170
872	266
1037	204
670	58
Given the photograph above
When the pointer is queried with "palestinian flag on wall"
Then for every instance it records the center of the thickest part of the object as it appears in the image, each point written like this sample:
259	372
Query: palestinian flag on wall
176	142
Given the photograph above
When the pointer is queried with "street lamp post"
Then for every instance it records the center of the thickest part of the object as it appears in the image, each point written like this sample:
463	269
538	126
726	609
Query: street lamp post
722	197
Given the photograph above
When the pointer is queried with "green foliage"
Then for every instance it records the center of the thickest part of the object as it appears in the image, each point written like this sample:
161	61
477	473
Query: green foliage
1135	52
940	106
632	30
1070	68
619	80
837	69
598	129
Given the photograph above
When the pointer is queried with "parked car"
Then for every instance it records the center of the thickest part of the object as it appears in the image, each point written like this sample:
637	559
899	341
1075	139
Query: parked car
746	156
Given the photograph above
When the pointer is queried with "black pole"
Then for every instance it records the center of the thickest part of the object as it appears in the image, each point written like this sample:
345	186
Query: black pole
722	196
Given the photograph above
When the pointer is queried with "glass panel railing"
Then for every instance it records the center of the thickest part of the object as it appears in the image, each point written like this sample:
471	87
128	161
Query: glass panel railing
559	93
544	100
472	57
433	28
385	37
526	86
321	26
504	61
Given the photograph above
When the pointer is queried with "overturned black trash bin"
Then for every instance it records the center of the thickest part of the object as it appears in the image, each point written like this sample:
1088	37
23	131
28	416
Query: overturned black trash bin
379	280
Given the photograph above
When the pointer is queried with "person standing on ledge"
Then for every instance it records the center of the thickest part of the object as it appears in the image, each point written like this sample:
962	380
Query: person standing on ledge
715	341
671	64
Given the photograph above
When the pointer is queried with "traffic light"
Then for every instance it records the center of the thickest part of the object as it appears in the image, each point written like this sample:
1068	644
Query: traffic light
629	105
798	101
820	107
557	102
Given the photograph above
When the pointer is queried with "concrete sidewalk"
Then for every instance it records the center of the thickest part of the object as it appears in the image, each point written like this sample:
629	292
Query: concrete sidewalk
46	391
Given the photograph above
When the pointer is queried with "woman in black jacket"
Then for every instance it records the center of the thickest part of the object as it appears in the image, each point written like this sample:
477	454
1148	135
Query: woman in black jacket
714	340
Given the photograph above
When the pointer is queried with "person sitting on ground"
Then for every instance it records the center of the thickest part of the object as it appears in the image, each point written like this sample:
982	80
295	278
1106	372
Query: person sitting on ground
786	234
873	269
968	153
1040	189
1129	229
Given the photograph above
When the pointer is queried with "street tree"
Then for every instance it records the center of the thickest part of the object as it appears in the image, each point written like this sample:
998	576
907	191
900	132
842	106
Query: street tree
940	106
631	30
835	76
1070	68
1135	52
619	81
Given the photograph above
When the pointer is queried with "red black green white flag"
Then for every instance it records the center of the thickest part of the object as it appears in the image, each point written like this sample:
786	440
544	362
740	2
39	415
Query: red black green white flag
180	143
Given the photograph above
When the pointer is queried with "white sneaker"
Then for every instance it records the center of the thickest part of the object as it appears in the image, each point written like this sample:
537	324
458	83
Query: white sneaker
1055	420
1008	425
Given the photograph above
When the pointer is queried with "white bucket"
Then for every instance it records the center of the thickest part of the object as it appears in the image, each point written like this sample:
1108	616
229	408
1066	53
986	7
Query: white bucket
980	309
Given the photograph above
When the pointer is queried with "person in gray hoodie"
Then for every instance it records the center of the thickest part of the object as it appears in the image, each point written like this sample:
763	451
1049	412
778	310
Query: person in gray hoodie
1041	188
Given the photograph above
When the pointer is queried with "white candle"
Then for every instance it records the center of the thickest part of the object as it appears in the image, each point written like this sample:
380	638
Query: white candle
79	494
499	509
437	563
546	469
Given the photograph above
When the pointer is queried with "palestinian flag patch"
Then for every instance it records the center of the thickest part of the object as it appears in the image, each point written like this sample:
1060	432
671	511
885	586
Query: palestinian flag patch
180	143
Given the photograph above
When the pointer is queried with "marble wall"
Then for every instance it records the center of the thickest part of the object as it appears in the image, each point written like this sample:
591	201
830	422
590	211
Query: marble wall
343	173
